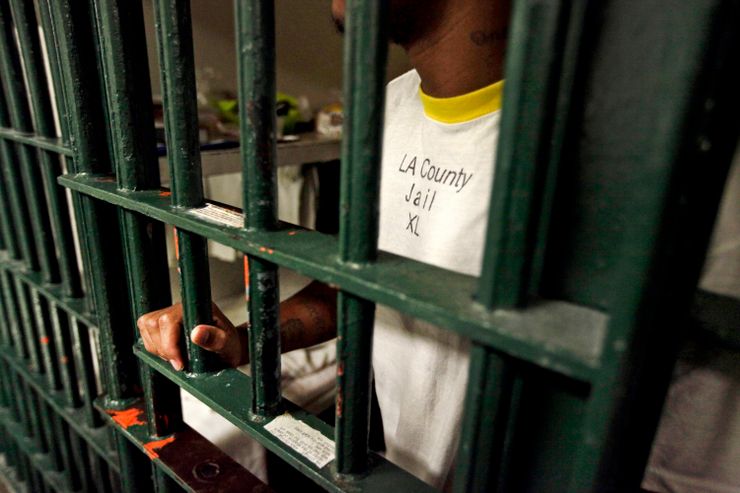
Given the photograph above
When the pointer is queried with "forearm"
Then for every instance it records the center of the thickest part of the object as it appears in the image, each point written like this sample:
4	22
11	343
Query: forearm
306	318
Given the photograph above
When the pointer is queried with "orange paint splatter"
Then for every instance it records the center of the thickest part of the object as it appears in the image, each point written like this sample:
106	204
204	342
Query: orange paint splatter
177	245
165	193
151	447
340	369
246	278
44	340
292	233
270	251
127	417
263	249
64	360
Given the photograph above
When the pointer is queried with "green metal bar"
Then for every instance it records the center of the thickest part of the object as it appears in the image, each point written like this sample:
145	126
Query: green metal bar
221	390
11	306
24	18
533	62
10	242
486	423
20	117
264	338
45	337
129	108
95	438
656	274
52	438
177	74
62	339
365	55
83	360
27	326
17	201
255	27
559	335
83	100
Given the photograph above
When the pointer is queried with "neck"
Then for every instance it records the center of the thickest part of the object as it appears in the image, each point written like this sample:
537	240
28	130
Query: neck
464	51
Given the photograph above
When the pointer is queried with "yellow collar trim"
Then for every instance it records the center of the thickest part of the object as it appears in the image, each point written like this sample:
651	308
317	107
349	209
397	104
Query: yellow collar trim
466	107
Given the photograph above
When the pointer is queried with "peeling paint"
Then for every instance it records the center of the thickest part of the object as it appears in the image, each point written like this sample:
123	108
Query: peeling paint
127	417
151	447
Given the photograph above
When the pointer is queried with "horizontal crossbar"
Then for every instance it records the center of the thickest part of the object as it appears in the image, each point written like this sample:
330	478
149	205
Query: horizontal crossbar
557	335
46	143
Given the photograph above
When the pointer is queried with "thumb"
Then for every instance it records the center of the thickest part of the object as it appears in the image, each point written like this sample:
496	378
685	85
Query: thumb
210	338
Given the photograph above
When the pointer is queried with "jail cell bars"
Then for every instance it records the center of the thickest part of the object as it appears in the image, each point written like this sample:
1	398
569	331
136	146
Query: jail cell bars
580	290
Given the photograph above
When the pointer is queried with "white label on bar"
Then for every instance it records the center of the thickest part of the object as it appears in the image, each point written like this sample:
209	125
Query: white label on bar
307	441
221	215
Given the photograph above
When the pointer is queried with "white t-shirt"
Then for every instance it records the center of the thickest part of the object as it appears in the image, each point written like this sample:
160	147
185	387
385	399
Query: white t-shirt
435	188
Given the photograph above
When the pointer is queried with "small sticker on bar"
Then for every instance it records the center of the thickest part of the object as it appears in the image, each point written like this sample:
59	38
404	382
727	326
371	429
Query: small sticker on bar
299	436
221	215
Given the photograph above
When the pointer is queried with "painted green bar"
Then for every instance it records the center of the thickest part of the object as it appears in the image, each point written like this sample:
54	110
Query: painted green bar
83	360
129	109
27	326
664	234
10	242
264	338
559	335
365	55
229	394
46	143
74	418
48	346
27	27
83	100
11	309
177	74
533	61
16	199
255	27
488	404
20	117
64	352
55	450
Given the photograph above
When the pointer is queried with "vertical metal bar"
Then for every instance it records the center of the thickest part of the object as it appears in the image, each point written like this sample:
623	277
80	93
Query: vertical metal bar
24	18
365	56
20	117
533	62
46	339
18	207
177	74
255	25
63	432
62	339
6	221
83	361
11	306
132	128
488	403
52	438
28	326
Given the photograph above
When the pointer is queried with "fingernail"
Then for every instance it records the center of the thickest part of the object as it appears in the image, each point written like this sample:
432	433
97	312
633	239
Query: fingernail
204	335
176	365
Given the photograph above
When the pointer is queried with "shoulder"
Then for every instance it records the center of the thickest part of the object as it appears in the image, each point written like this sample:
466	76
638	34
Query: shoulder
402	88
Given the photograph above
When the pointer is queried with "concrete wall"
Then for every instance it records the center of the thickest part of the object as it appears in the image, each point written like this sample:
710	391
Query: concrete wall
309	50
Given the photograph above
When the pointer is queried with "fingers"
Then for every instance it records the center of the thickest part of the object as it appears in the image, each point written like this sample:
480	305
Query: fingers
160	331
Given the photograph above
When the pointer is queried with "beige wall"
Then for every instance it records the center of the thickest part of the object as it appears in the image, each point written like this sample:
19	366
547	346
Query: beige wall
309	51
